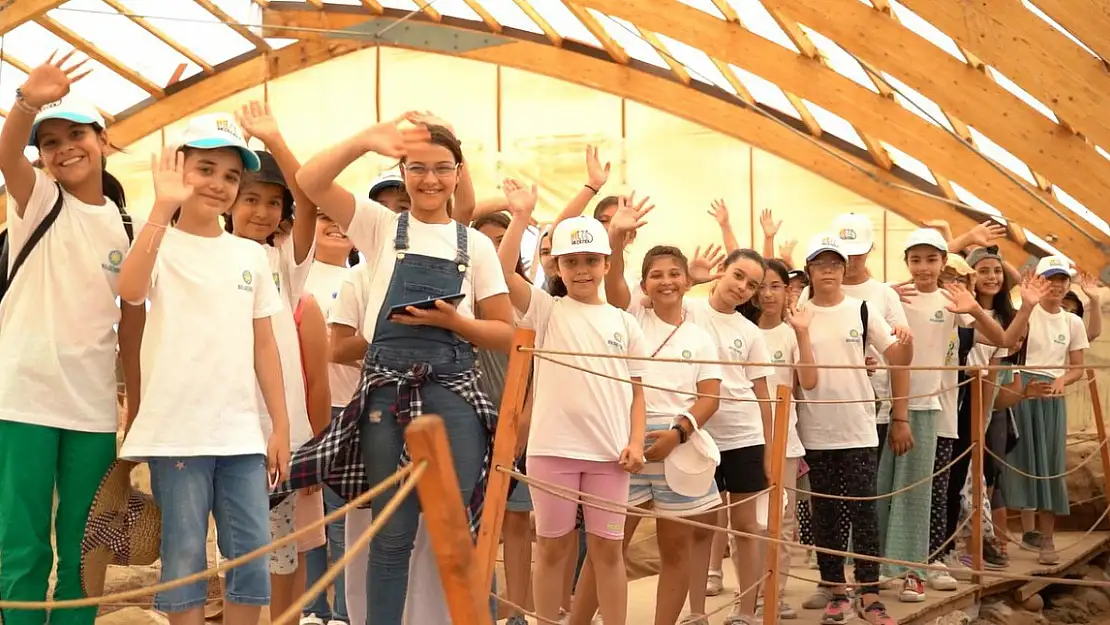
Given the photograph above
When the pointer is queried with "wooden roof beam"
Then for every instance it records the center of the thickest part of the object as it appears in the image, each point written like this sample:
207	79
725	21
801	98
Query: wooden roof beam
486	16
96	54
428	10
964	93
163	37
1030	52
1088	20
26	69
16	14
886	120
678	69
721	114
552	35
156	114
598	31
243	31
372	5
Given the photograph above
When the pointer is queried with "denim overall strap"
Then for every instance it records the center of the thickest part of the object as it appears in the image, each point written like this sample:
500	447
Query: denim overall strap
401	236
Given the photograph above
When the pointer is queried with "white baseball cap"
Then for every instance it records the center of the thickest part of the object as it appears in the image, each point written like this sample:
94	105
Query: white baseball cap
1054	266
691	467
71	108
857	237
219	130
825	242
388	179
580	235
926	236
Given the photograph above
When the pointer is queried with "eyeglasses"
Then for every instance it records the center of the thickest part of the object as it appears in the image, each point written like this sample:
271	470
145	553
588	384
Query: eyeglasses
777	287
420	170
831	263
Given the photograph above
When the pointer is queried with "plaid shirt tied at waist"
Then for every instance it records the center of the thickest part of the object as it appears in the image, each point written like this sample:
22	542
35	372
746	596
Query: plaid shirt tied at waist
334	457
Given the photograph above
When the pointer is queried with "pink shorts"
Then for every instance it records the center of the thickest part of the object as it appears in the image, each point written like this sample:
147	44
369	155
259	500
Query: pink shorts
555	516
310	508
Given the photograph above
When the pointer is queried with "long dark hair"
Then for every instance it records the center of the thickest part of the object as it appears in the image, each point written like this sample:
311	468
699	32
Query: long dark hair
501	220
754	311
110	185
1003	308
750	308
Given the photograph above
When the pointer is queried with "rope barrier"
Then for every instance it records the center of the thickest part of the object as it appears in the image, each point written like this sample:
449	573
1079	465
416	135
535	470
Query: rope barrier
748	399
1007	465
212	572
904	489
594	501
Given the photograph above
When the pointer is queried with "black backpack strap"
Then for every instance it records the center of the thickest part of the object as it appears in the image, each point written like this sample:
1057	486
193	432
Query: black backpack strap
864	312
966	338
127	225
33	240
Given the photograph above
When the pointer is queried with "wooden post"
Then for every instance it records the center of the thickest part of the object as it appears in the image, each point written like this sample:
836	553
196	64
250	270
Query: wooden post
445	518
978	436
504	452
1100	427
775	501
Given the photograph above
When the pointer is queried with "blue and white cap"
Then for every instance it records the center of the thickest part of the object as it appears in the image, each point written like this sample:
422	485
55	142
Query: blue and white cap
1055	266
71	108
219	130
388	180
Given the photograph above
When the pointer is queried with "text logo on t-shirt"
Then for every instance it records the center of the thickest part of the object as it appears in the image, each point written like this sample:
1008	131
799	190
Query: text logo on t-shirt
687	354
853	336
1061	339
938	316
778	357
738	345
617	341
115	257
248	278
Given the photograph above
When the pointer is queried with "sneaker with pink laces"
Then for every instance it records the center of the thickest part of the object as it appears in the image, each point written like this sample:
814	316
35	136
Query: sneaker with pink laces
875	614
837	611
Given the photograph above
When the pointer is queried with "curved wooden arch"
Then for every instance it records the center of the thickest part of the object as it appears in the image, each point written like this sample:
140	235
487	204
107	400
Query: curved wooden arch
868	111
967	93
590	67
1031	53
571	62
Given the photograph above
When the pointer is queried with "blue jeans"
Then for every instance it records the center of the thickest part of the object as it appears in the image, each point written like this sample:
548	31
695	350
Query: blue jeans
319	559
382	438
234	490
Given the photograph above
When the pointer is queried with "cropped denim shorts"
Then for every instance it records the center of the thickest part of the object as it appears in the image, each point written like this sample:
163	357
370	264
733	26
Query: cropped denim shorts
234	490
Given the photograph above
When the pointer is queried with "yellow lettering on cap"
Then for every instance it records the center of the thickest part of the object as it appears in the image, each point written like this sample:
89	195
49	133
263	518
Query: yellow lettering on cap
829	241
581	237
225	125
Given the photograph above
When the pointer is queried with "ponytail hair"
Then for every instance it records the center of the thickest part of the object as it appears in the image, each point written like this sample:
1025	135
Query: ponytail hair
112	188
352	257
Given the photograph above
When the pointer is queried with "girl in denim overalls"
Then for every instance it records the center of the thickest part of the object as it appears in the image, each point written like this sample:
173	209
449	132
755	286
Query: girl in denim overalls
424	360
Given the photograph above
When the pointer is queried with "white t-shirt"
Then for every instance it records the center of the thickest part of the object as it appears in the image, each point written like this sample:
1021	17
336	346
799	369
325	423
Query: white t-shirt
948	423
782	344
199	388
688	342
373	229
1052	336
324	283
577	414
835	335
57	321
932	326
884	299
737	424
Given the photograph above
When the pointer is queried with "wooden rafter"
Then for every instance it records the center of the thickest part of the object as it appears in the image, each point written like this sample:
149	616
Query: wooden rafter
372	5
727	10
809	50
529	10
239	77
598	31
429	10
973	96
163	37
716	113
18	13
316	4
677	68
734	82
244	32
93	52
486	16
26	69
1088	20
1030	52
880	117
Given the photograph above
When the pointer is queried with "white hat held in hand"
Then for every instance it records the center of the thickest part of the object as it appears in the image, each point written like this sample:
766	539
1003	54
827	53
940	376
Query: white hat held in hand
691	467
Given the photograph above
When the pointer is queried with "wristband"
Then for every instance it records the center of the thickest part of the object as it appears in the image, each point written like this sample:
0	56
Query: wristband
682	437
596	191
893	420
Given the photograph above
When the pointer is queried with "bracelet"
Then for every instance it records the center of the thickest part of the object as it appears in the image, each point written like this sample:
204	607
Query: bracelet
596	191
893	420
21	104
682	436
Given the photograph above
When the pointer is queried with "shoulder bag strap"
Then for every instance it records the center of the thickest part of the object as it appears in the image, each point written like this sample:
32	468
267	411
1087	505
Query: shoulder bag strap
864	314
37	235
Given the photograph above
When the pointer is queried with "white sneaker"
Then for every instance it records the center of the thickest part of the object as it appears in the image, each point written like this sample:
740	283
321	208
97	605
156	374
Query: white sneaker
956	568
312	619
335	622
942	580
913	590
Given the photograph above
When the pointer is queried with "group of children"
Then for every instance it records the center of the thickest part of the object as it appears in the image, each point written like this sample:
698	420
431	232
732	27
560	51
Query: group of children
270	375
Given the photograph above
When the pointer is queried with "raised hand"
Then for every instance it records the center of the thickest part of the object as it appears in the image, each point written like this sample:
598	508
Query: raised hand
170	189
596	173
391	140
786	248
719	211
630	216
51	81
905	291
986	232
256	121
800	320
768	223
522	200
960	300
1089	284
1033	289
703	266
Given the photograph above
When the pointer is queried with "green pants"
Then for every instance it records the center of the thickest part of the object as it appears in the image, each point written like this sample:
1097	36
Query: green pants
904	518
34	460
